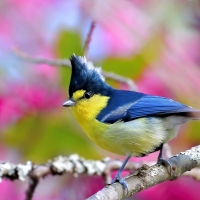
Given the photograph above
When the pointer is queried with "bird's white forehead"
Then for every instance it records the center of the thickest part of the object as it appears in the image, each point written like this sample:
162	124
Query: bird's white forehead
91	67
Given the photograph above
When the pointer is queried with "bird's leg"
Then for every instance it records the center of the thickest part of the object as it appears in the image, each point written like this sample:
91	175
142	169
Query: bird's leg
163	161
118	175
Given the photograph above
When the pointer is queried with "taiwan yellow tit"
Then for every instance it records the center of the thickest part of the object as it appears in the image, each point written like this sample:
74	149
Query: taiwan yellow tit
123	122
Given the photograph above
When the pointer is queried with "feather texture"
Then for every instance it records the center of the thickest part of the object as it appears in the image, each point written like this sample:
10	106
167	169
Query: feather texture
138	105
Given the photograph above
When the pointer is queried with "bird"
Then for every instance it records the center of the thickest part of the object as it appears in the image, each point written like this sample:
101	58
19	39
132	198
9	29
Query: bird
124	122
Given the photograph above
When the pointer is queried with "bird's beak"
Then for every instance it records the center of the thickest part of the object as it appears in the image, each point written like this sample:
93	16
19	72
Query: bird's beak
69	103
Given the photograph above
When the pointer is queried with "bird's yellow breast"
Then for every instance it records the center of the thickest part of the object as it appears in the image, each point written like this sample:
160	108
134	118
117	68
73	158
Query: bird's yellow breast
86	111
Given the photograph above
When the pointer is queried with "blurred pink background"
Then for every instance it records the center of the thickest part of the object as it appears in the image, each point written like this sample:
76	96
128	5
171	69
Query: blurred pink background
156	43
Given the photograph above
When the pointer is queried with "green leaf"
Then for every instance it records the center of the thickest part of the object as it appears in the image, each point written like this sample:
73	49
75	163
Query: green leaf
134	65
46	135
66	44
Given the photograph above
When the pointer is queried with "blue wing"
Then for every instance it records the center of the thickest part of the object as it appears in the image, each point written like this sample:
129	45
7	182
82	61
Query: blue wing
155	106
120	101
142	106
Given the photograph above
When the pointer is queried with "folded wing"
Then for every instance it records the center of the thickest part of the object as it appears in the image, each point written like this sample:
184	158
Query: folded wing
147	106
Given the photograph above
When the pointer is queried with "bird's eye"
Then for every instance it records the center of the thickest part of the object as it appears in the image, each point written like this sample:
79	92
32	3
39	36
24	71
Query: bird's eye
88	95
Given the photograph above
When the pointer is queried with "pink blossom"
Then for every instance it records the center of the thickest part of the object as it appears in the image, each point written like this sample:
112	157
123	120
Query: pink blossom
150	83
126	27
23	99
182	189
10	190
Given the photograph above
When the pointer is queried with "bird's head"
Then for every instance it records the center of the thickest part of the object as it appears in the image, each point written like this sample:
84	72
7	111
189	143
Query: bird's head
88	90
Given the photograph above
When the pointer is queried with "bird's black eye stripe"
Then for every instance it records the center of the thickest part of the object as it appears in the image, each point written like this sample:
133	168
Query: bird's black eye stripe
88	95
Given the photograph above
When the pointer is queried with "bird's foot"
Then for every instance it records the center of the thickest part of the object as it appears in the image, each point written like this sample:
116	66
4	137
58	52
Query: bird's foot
119	179
168	164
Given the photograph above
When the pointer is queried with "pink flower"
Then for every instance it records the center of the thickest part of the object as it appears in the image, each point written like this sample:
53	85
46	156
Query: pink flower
11	190
182	189
21	99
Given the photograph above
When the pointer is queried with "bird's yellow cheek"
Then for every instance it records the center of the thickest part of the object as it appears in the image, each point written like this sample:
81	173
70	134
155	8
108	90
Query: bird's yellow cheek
88	109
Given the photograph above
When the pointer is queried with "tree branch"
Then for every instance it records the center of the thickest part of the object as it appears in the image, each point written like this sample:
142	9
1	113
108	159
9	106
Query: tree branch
33	182
66	63
129	82
88	39
146	176
141	179
72	164
39	60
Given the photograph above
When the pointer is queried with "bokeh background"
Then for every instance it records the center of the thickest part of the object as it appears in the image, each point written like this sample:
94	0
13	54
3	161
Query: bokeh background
155	43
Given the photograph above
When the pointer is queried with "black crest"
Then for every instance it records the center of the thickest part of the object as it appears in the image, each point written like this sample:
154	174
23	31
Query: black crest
86	77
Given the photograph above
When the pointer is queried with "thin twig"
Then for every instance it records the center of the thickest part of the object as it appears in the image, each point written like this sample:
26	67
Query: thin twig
89	38
72	164
66	63
142	178
39	60
116	77
59	165
33	182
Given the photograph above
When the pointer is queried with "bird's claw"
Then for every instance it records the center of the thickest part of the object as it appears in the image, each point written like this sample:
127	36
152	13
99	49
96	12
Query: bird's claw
168	164
119	179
